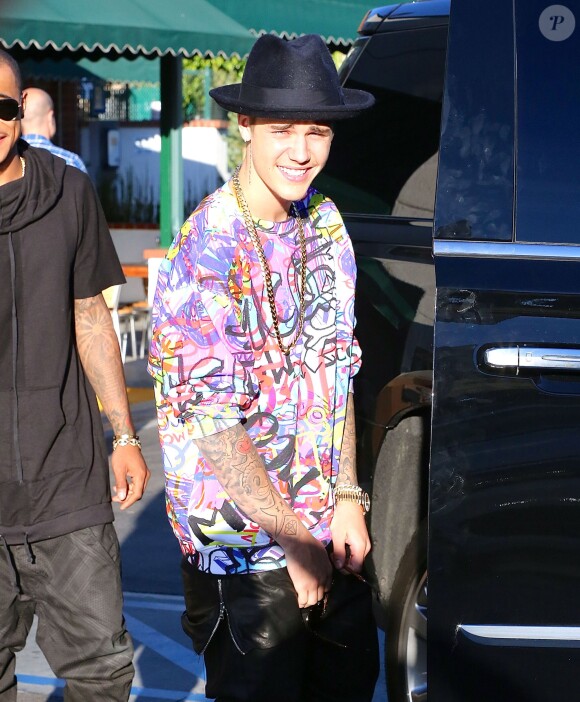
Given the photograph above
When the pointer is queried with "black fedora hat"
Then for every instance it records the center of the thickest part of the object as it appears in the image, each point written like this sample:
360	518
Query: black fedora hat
294	80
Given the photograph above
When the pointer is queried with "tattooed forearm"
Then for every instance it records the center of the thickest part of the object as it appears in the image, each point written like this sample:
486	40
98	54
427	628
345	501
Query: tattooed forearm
98	349
240	470
347	467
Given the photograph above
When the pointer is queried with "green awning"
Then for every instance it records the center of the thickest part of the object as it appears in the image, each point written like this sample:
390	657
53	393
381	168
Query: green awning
137	71
129	27
53	69
335	20
140	71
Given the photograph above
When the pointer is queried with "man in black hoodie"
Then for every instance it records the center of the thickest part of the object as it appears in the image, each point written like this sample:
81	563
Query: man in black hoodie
59	554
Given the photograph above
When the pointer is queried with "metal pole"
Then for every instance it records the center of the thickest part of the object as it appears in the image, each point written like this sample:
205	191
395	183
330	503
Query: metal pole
171	172
207	76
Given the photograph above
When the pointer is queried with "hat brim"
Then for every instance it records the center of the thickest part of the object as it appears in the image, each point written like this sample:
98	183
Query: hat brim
355	102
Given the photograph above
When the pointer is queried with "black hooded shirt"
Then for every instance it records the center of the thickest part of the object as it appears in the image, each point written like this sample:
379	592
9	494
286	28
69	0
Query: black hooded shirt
55	247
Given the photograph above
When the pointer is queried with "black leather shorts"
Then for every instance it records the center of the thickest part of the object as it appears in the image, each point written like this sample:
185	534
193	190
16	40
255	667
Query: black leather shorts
260	609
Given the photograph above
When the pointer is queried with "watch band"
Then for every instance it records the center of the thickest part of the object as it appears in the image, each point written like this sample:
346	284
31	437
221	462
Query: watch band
352	493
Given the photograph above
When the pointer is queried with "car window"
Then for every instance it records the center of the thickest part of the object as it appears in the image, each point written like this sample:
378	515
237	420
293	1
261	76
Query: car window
374	156
548	180
476	168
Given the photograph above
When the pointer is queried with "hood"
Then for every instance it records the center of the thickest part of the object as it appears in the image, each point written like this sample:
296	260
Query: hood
26	200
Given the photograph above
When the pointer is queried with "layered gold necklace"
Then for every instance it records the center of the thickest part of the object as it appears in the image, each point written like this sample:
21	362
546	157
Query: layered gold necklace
251	227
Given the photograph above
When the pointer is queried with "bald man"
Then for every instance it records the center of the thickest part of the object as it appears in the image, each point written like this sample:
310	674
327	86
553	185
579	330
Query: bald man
39	126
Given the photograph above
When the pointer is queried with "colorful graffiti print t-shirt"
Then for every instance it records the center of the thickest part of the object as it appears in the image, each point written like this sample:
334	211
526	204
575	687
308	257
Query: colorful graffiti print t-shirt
216	362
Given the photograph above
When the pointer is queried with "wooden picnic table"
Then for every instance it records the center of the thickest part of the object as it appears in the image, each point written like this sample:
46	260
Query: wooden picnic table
136	270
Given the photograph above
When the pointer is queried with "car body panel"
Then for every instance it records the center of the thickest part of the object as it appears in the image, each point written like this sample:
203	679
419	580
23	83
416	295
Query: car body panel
504	505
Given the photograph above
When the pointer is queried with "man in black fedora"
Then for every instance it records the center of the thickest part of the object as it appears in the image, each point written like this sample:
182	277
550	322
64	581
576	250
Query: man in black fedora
253	354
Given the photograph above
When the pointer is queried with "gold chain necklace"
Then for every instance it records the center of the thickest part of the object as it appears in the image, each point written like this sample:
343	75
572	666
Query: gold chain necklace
251	227
23	166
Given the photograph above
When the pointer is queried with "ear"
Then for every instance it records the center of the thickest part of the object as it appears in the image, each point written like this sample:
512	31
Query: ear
22	104
244	127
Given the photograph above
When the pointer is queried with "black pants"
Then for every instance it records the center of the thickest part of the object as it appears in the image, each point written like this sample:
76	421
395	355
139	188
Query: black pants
301	668
73	584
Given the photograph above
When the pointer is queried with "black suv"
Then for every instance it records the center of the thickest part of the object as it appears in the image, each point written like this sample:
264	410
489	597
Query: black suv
461	191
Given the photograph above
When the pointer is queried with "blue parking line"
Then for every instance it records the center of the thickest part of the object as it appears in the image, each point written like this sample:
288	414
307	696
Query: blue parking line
167	694
154	693
38	680
154	641
165	646
138	600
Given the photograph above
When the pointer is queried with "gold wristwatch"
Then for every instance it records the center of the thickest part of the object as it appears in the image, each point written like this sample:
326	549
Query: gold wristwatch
352	493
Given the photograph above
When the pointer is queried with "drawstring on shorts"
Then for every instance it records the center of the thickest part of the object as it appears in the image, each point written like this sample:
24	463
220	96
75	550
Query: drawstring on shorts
31	557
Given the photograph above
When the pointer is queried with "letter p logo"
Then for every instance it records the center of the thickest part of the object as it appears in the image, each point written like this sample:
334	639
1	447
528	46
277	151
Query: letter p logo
557	23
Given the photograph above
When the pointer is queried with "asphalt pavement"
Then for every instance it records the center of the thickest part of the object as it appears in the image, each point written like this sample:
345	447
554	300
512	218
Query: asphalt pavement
166	666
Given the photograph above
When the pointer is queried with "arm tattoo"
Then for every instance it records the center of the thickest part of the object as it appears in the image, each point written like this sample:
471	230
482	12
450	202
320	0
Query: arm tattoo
240	470
347	466
98	349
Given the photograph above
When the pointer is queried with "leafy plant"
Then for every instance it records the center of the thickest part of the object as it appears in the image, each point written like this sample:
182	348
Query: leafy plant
200	74
128	199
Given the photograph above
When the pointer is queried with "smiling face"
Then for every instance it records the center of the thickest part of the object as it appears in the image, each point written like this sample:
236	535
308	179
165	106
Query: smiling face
285	159
10	167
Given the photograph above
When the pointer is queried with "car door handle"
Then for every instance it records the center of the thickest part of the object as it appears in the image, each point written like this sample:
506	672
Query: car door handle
528	357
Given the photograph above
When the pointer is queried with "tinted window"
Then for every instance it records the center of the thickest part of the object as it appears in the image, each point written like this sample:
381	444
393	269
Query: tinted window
476	168
373	156
548	180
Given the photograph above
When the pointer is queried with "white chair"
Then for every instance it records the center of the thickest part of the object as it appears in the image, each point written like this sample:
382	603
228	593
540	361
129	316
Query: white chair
123	320
144	320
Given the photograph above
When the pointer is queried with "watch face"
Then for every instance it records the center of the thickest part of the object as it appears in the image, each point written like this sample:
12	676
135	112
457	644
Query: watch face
365	501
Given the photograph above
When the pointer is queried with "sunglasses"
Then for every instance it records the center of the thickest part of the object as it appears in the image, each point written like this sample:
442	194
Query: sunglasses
9	109
312	615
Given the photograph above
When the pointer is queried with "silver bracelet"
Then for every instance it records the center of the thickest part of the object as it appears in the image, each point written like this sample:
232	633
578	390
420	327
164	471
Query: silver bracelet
126	440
